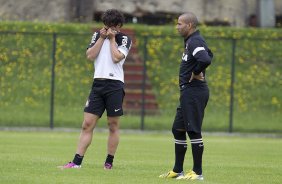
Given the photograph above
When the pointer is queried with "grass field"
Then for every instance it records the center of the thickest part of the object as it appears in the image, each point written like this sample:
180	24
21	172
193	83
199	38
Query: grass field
33	157
215	119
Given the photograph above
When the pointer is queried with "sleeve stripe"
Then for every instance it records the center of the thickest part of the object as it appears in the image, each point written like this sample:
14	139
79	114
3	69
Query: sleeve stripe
197	50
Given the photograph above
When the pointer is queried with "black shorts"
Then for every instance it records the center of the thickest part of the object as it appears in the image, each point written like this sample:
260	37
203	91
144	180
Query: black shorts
190	113
105	95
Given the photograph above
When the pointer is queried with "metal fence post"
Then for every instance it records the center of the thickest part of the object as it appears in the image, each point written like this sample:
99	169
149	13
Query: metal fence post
232	86
52	92
144	84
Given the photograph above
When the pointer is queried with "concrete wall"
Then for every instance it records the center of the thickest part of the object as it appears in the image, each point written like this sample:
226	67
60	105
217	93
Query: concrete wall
41	10
236	12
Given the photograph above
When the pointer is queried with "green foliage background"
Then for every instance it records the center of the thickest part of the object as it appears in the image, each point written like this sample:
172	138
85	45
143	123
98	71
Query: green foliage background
258	80
26	58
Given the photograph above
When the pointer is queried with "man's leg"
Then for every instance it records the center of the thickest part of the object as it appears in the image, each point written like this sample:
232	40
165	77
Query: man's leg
193	102
85	138
180	147
113	140
86	134
197	151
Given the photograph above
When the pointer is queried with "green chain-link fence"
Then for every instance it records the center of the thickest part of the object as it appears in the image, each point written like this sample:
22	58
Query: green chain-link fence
45	80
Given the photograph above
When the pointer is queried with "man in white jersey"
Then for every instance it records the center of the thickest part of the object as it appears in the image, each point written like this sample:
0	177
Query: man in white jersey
108	49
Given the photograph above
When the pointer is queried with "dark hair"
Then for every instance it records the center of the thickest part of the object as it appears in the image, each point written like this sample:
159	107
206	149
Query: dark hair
191	18
113	17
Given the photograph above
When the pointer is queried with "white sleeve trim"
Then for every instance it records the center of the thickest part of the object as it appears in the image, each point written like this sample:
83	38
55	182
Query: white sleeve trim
123	50
196	50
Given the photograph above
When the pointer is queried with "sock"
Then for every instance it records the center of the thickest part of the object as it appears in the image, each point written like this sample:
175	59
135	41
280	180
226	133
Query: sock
109	159
180	150
197	151
77	159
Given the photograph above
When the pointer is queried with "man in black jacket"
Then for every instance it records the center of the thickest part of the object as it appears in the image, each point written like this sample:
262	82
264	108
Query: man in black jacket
194	95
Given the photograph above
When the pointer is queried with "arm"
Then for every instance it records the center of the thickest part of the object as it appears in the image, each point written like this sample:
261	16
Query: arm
203	60
117	56
94	50
203	57
200	77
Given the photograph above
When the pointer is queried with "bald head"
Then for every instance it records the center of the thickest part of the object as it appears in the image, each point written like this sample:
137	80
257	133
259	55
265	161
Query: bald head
190	17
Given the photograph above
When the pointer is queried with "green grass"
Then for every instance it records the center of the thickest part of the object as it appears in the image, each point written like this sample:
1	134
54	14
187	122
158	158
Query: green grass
215	119
32	157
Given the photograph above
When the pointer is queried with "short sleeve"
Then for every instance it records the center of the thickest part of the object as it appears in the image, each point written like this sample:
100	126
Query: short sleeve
124	44
94	39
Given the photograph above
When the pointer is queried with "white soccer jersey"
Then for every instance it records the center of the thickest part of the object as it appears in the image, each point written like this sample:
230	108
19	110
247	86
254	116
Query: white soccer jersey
104	65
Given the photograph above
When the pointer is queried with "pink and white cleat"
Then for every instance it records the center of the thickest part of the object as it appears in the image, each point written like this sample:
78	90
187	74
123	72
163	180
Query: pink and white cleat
70	165
108	166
